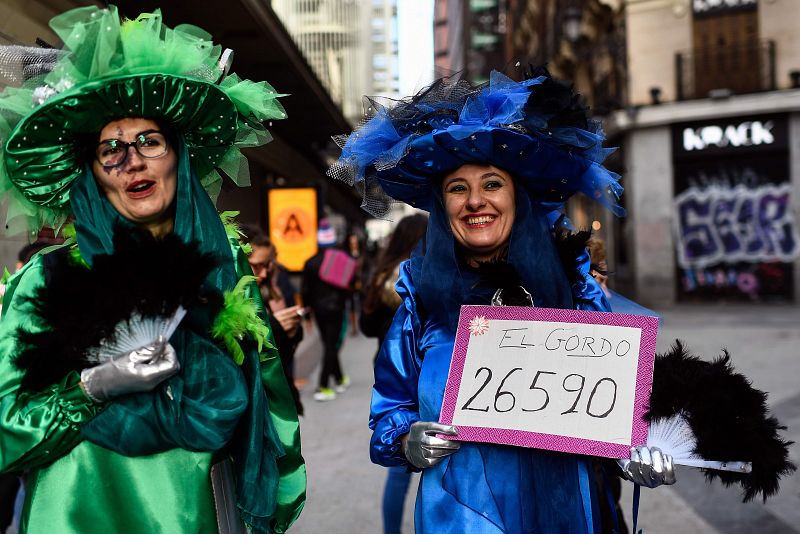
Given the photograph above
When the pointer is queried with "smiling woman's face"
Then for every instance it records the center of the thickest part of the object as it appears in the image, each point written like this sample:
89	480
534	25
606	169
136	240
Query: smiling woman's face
480	204
141	189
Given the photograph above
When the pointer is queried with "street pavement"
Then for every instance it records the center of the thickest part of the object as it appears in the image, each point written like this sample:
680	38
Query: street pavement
345	489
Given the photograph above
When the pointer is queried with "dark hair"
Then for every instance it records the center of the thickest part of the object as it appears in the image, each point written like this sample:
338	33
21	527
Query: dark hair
255	236
406	235
27	252
168	130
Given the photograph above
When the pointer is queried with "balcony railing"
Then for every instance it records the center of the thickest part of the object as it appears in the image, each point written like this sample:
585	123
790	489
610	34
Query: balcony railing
744	68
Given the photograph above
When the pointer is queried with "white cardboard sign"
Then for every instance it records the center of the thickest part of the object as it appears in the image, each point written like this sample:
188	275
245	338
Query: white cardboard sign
565	380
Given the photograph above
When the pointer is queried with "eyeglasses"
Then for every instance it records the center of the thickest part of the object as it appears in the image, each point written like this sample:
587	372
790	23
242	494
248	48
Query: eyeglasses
148	144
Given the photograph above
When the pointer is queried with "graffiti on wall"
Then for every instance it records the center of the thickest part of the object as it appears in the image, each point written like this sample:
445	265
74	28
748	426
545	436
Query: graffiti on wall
734	222
720	224
750	280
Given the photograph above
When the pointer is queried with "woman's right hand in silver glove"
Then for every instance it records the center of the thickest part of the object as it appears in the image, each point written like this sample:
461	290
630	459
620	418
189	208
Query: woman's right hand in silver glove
648	467
423	449
132	372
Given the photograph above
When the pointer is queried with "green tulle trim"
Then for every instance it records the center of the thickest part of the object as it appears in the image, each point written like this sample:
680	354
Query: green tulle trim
71	240
239	318
110	69
234	231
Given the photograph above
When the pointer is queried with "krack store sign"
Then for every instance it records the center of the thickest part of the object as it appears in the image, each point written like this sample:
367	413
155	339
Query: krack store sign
745	133
713	7
730	136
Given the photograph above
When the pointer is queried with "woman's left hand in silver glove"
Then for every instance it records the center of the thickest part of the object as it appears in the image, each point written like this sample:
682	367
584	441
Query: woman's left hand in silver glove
131	372
648	467
423	449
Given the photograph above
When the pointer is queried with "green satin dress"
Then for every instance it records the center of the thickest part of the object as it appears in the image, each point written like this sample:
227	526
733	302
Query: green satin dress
75	486
90	489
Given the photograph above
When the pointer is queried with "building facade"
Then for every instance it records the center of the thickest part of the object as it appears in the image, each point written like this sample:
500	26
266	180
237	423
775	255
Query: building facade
470	37
711	148
334	37
384	37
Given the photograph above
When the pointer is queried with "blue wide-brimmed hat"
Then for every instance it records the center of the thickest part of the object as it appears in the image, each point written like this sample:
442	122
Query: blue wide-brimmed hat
534	129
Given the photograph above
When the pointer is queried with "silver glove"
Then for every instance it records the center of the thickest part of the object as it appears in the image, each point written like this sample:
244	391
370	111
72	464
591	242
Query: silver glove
131	372
648	467
423	449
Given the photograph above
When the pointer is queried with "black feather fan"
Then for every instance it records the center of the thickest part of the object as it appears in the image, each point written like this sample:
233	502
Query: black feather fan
728	416
80	307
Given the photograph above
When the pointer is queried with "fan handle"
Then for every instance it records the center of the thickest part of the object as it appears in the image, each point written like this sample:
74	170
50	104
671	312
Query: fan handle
736	467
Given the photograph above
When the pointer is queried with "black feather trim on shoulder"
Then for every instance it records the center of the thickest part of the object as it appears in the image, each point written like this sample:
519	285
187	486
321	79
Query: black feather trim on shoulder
79	306
570	246
728	416
501	275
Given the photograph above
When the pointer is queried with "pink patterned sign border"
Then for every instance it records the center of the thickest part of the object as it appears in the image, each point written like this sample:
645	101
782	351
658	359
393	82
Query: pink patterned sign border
644	379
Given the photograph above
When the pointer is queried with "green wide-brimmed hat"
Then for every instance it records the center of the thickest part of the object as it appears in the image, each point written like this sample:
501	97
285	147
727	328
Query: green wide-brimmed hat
110	69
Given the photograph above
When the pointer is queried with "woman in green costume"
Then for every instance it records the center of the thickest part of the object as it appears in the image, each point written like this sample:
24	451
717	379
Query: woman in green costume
128	127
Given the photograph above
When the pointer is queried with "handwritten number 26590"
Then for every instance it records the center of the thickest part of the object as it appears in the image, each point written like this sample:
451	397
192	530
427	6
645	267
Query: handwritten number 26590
505	401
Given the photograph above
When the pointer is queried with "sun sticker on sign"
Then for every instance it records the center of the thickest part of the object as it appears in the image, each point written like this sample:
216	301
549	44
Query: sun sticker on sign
564	380
478	325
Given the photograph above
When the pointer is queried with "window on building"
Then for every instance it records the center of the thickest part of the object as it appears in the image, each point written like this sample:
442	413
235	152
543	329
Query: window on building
480	5
440	10
727	52
484	40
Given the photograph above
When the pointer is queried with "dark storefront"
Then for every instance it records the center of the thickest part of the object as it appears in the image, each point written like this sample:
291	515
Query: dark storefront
735	232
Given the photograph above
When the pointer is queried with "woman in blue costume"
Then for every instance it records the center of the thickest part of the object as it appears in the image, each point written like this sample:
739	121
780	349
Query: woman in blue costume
493	164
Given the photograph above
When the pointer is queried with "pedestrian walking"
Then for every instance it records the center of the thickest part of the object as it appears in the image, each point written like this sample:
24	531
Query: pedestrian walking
356	251
380	305
327	279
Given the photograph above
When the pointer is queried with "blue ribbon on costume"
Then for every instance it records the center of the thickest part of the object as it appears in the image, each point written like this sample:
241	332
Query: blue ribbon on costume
636	491
586	493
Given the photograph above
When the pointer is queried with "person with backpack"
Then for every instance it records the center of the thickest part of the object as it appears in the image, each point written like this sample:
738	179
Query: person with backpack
327	277
380	305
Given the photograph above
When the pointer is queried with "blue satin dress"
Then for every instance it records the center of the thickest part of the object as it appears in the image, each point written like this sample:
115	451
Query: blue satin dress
482	488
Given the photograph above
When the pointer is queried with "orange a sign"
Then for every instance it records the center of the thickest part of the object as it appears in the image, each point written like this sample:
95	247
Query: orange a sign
293	225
